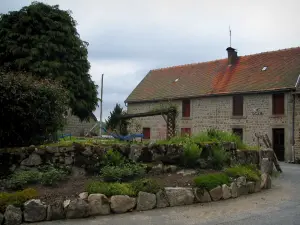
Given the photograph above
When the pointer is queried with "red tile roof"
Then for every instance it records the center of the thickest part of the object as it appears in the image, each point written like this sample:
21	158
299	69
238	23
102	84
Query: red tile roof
216	77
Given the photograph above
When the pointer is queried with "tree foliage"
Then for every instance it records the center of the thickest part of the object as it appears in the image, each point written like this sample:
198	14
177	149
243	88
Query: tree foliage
115	123
43	41
30	109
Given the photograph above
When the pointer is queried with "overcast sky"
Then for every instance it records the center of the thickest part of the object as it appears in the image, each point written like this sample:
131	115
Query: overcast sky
129	37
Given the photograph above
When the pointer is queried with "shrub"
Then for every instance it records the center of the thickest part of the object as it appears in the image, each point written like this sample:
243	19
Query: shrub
210	181
22	178
113	158
31	109
124	172
16	198
219	157
191	154
52	176
109	189
146	185
250	172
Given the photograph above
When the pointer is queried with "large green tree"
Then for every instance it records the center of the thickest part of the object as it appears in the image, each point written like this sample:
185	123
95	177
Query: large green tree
43	41
114	122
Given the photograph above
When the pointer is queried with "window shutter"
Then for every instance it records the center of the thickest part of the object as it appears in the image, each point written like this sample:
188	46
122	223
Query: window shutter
186	108
278	104
238	105
146	133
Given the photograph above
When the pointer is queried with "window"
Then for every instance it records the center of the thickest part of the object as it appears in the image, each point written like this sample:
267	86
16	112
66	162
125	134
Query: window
185	131
238	132
146	133
238	105
186	108
278	104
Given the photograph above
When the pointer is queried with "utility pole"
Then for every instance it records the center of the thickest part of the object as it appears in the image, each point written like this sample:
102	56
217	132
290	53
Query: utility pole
101	101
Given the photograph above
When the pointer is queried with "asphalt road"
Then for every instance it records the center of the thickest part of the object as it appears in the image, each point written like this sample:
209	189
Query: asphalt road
278	206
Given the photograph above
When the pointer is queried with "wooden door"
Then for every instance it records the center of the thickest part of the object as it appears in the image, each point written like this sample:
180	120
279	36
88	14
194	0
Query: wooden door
278	143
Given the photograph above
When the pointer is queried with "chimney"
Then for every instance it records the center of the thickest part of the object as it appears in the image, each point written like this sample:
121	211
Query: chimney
232	56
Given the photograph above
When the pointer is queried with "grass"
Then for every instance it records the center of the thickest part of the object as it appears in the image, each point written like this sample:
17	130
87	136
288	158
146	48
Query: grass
210	181
249	171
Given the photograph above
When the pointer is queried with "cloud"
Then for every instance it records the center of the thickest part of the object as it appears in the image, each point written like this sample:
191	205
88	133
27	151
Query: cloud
128	38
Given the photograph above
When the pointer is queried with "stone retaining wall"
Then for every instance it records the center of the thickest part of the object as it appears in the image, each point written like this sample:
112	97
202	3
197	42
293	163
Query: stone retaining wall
88	157
98	204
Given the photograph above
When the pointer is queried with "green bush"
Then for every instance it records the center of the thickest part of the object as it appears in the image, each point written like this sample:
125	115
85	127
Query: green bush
250	172
52	176
113	158
210	181
109	189
124	172
191	154
146	185
22	178
33	109
16	198
219	158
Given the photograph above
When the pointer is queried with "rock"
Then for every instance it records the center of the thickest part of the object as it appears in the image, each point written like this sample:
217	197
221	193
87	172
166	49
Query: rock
69	160
257	186
267	166
84	195
1	218
216	193
186	172
234	190
55	211
145	201
180	196
98	205
33	160
251	186
77	208
12	215
135	152
122	203
88	152
243	190
170	168
226	192
66	203
35	210
201	195
241	181
162	199
39	151
157	169
266	182
78	172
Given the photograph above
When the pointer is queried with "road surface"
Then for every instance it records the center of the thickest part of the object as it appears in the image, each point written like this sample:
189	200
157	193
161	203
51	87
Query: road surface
277	206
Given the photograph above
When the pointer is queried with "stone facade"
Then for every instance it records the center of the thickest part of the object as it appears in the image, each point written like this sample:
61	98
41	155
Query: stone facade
77	128
216	112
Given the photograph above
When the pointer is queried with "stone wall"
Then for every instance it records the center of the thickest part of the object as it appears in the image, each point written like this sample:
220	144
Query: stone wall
216	112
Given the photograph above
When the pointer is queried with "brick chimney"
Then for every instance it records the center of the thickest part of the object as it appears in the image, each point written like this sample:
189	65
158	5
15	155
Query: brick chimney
232	56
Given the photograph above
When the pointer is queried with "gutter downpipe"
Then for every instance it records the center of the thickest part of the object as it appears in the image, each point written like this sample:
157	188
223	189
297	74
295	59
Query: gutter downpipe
293	121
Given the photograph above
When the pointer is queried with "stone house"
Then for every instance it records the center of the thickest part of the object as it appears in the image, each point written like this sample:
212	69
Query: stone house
78	128
244	94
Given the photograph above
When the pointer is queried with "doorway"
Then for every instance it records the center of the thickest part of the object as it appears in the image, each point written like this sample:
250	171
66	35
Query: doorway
278	143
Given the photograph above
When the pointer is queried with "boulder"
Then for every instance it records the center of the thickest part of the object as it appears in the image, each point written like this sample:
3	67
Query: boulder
241	181
170	168
55	211
122	203
77	208
266	182
78	172
98	205
251	186
84	195
226	192
33	160
162	199
35	210
145	201
69	160
87	152
267	166
12	215
216	193
135	152
201	195
234	190
157	169
243	190
66	203
257	186
180	196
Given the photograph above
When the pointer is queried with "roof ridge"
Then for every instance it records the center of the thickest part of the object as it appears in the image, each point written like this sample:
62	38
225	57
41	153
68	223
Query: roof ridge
211	61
